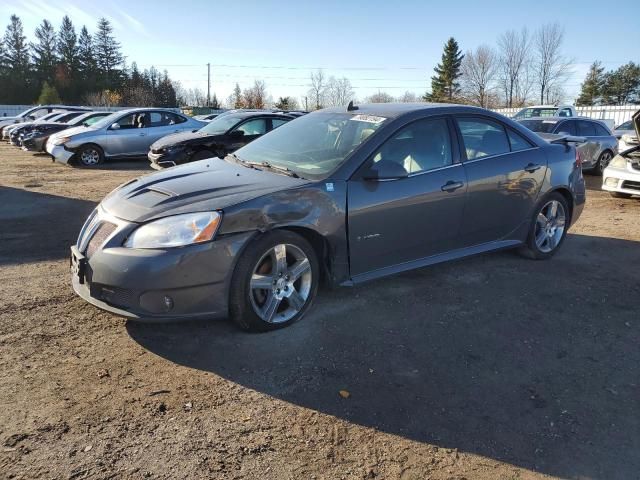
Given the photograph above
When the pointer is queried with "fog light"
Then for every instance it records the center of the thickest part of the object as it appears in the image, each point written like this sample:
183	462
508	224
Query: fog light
168	303
611	182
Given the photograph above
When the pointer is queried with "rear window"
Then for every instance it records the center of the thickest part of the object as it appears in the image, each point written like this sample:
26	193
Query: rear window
540	126
601	131
536	112
586	129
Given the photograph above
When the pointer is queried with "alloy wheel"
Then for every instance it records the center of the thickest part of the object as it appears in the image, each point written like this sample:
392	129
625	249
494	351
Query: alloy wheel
90	156
280	283
550	225
605	158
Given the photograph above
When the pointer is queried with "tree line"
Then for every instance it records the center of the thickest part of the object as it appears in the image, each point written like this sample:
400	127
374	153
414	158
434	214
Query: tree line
65	66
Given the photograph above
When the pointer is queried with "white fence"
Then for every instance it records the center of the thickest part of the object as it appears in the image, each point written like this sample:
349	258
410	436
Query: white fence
619	114
14	110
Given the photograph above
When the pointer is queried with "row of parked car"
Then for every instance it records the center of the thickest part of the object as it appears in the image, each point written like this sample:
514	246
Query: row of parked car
79	136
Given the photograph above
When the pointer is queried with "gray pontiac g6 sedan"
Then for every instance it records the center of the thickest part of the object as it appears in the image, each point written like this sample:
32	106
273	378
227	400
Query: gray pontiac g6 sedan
342	196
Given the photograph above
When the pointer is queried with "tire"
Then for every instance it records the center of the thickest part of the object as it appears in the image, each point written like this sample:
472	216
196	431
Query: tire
89	156
620	195
201	155
603	160
290	284
547	231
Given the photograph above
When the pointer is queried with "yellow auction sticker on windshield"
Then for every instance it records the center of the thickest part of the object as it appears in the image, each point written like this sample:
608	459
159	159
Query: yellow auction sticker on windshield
368	118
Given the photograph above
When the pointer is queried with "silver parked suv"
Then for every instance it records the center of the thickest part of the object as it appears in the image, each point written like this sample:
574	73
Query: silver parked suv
124	134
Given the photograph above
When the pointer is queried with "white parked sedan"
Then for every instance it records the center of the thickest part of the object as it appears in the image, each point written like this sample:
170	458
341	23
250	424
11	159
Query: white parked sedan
622	177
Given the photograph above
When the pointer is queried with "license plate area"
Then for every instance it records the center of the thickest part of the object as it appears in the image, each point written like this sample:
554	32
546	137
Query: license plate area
78	264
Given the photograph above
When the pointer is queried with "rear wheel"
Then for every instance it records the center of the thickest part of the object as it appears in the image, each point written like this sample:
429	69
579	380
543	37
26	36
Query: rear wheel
274	283
548	227
89	155
603	162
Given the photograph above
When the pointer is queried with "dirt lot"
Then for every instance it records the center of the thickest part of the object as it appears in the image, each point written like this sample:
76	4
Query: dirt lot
494	367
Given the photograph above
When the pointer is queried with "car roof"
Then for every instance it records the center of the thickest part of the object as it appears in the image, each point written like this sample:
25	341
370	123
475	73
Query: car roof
258	113
148	109
394	110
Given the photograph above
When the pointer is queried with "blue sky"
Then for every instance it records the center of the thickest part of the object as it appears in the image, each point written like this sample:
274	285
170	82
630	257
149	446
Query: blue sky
378	45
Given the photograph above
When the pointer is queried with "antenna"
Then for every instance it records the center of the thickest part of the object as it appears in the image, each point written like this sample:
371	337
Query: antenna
351	107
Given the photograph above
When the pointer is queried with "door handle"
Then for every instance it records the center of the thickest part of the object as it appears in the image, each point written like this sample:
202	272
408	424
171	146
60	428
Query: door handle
532	167
450	186
142	134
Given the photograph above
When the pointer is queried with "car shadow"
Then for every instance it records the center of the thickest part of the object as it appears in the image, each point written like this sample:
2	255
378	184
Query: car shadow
593	181
132	164
29	229
531	363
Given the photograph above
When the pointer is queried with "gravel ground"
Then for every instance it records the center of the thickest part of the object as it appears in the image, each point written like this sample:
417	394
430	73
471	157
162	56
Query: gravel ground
494	367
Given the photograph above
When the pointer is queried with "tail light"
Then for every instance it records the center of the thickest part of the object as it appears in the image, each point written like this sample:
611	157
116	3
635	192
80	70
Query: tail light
578	159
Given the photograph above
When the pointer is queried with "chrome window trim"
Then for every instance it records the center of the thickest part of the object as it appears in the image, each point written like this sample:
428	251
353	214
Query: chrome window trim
498	155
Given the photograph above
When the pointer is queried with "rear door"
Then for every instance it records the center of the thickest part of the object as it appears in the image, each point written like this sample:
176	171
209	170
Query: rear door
505	172
395	221
589	151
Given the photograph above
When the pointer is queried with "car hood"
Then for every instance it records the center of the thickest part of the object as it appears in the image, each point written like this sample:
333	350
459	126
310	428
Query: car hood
67	132
211	184
182	138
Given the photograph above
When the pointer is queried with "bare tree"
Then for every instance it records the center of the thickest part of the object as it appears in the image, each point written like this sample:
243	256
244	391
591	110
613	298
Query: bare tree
338	92
514	53
408	97
479	70
317	89
380	97
256	96
550	65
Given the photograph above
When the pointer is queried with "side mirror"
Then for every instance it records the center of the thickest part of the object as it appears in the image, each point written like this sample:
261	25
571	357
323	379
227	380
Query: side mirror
237	134
115	126
31	117
385	170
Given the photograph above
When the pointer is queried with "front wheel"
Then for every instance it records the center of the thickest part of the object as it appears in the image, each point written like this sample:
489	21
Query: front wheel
548	227
274	283
90	156
603	162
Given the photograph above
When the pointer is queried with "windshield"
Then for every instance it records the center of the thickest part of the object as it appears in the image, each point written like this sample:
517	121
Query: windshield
625	126
536	112
221	124
540	126
313	145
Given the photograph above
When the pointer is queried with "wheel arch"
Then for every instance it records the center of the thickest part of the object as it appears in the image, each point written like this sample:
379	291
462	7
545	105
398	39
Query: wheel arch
79	148
320	246
568	196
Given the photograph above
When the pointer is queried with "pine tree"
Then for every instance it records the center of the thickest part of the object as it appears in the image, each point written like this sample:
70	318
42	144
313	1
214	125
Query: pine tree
215	103
591	88
67	45
622	86
18	87
48	95
444	85
238	101
107	54
44	51
86	54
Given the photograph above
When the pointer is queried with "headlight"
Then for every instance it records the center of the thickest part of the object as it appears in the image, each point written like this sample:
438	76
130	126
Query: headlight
61	140
618	162
175	231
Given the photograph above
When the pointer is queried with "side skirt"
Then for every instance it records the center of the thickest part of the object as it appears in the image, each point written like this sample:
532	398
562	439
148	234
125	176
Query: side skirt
424	262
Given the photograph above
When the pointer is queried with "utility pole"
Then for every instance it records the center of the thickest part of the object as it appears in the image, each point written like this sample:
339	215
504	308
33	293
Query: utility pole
208	84
306	105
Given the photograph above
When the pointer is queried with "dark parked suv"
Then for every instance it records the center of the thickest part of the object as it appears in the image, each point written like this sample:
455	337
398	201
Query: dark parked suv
223	135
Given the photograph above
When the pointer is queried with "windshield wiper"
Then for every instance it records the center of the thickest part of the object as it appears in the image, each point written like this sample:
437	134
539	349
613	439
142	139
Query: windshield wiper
278	168
242	162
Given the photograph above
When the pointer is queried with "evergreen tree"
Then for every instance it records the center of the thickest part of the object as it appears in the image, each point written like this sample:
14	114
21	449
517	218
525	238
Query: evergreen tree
444	85
215	103
591	89
238	101
67	45
18	87
86	54
108	56
48	95
44	51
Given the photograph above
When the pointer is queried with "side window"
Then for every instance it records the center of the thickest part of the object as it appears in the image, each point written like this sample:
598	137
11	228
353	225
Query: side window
517	141
567	127
586	129
483	138
155	119
600	130
420	146
128	121
257	126
276	122
565	112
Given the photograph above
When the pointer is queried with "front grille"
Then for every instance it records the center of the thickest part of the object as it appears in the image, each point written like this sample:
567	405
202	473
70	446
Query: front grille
119	297
631	185
104	230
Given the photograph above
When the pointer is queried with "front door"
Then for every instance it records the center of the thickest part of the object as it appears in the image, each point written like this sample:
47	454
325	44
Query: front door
391	222
505	172
129	138
251	129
